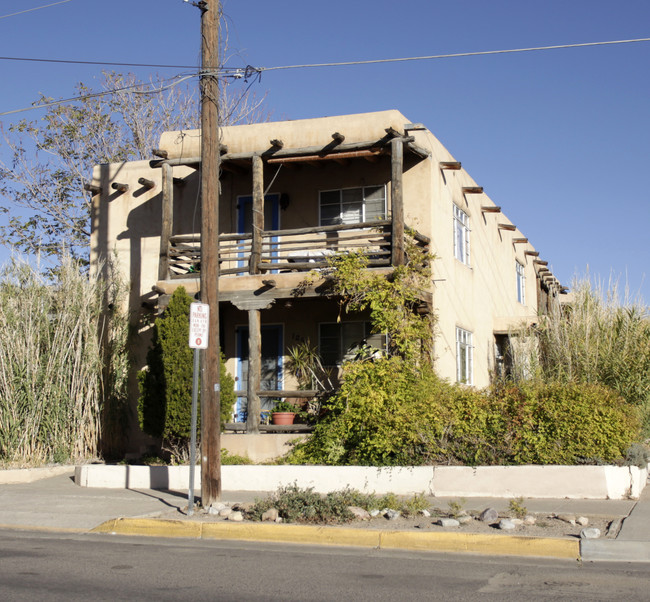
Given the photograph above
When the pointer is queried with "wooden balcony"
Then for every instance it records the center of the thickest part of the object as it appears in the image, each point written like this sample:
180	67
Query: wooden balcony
297	250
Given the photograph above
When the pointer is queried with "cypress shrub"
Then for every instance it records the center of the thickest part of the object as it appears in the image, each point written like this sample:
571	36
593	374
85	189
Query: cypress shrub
165	403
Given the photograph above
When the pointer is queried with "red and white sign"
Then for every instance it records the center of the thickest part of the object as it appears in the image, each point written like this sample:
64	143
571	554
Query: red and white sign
199	314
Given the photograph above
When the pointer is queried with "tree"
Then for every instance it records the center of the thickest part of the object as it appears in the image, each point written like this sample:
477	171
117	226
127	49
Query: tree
164	407
42	186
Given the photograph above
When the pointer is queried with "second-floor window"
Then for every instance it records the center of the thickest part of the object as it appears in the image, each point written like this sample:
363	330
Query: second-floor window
352	205
521	283
461	235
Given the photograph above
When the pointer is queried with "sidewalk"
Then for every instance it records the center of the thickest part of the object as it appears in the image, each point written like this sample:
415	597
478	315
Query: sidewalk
57	504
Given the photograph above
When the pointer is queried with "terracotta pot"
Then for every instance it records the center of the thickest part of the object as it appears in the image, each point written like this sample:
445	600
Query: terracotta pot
282	417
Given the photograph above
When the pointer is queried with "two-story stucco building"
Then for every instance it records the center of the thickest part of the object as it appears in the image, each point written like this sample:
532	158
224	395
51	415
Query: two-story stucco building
329	184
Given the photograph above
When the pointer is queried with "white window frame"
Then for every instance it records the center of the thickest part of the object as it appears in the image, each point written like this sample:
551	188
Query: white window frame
464	356
521	282
364	217
461	235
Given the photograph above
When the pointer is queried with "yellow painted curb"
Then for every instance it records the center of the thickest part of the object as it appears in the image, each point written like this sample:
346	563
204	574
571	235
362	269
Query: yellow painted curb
499	545
151	527
335	536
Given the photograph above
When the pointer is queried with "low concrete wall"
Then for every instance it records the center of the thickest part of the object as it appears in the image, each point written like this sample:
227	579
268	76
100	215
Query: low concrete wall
259	448
575	482
13	476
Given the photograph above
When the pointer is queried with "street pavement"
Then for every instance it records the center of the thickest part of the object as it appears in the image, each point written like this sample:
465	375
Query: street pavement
56	503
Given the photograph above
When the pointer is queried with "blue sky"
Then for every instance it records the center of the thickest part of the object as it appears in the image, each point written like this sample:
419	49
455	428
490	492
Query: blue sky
558	138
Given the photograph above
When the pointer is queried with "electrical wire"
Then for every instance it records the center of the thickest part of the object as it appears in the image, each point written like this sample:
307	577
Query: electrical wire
449	56
29	10
107	63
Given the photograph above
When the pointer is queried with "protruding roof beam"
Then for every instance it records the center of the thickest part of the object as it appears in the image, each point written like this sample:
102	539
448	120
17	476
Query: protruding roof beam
490	209
338	137
120	187
157	152
540	262
146	183
519	241
532	253
472	189
93	188
509	227
275	143
452	165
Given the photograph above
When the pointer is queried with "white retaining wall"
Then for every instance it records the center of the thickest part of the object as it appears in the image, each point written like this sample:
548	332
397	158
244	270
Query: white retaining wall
575	482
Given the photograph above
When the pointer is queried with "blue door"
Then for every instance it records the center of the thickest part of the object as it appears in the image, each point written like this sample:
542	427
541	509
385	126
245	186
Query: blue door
271	366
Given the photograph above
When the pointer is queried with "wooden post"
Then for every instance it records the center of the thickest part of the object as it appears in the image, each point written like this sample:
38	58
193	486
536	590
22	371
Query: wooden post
210	382
258	215
254	371
167	220
397	202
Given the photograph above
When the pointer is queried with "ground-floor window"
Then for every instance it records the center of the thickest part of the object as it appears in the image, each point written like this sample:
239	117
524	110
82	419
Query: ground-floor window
464	356
342	341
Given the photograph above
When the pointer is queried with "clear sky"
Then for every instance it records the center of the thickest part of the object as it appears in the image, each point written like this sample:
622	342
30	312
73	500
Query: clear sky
558	138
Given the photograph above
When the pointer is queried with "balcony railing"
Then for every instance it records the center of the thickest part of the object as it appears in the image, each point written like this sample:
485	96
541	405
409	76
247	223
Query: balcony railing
297	250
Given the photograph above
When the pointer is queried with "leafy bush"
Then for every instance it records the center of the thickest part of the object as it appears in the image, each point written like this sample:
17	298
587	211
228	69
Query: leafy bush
389	413
165	402
295	504
594	338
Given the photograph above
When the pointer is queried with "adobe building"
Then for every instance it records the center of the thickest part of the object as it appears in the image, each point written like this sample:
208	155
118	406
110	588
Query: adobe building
294	192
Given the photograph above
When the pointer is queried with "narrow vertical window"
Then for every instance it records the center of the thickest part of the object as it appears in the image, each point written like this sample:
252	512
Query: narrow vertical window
521	283
464	351
461	235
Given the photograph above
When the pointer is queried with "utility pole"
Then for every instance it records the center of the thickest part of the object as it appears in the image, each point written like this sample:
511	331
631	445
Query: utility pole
210	382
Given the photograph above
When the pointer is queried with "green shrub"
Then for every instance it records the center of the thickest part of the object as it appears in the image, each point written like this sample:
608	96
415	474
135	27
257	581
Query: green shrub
594	338
381	416
389	413
165	402
296	504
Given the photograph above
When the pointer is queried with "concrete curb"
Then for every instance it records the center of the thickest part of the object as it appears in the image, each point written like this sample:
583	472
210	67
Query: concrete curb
14	476
501	545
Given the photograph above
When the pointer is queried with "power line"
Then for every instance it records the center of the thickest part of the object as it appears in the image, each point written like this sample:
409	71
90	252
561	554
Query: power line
107	63
338	64
29	10
459	54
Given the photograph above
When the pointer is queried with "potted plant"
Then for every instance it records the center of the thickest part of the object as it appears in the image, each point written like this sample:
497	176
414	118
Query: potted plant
283	413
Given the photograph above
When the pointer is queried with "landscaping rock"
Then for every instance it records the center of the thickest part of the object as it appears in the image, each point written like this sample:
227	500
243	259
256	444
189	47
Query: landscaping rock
567	518
448	522
225	512
270	515
236	516
517	522
243	506
216	507
530	520
375	513
583	521
425	513
489	515
590	533
506	524
392	514
359	513
465	520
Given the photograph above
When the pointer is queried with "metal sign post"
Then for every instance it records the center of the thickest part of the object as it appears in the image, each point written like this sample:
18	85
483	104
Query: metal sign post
199	320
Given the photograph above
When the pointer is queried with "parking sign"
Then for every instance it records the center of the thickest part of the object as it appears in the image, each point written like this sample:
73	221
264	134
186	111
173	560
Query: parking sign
199	314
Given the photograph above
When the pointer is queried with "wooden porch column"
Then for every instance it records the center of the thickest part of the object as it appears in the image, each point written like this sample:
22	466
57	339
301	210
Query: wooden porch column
258	216
254	371
397	204
167	220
